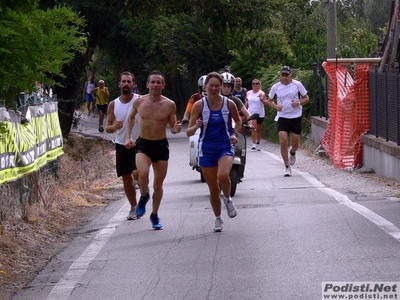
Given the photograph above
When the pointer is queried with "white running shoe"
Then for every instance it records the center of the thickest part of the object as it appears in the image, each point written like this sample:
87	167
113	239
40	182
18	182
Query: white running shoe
292	158
258	147
219	224
230	207
132	214
288	171
136	185
253	147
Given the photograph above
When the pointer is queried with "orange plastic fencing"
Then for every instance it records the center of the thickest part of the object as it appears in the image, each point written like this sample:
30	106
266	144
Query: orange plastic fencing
348	108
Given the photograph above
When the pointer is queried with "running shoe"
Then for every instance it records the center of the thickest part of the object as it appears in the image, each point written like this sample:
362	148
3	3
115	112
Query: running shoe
136	185
219	224
155	221
101	129
253	147
288	171
230	207
141	207
292	158
132	214
258	147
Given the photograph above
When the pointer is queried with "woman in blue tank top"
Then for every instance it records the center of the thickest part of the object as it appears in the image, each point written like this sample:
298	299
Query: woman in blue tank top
213	115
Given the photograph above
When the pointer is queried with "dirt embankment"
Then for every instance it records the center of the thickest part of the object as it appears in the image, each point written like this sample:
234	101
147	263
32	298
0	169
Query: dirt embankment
31	234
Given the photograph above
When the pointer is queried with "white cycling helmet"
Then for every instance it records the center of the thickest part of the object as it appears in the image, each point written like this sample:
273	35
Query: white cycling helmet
200	84
228	78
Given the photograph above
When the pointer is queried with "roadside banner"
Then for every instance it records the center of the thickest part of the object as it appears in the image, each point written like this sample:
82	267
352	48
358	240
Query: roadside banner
53	129
27	146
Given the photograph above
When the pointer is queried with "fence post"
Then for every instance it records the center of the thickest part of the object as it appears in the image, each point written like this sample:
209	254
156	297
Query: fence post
316	99
327	88
386	104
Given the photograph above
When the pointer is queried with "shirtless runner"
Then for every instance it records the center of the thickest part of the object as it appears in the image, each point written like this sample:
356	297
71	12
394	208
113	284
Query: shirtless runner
152	148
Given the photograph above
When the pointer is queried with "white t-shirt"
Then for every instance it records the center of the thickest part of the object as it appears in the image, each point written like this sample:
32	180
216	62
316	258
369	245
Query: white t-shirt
285	95
121	112
90	87
255	104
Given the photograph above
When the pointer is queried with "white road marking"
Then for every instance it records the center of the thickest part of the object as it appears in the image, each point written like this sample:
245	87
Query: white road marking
64	288
382	223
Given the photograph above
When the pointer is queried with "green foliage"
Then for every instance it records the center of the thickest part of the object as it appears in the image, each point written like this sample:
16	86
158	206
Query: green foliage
34	47
309	42
105	70
377	15
371	16
22	6
355	41
188	38
350	9
260	49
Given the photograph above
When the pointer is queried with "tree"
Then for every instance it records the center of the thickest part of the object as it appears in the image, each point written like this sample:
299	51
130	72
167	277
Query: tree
308	36
355	40
35	45
185	45
188	38
351	9
378	14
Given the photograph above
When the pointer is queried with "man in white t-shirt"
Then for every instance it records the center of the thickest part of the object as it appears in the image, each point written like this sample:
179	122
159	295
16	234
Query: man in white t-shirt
290	95
87	94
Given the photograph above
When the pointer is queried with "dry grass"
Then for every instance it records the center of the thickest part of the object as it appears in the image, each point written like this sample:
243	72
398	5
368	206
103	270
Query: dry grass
32	232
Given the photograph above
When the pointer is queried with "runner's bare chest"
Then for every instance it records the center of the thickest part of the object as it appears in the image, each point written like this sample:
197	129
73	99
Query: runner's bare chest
154	110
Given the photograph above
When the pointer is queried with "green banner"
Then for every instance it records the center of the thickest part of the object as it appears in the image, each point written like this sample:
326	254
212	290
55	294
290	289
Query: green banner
26	147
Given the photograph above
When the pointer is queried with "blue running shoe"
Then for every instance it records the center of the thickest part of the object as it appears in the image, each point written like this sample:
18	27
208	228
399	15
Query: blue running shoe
141	207
155	221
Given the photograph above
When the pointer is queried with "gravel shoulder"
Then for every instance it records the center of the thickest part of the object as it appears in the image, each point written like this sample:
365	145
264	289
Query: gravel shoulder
364	184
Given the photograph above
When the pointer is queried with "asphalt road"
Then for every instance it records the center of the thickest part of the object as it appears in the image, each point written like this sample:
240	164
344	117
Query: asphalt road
290	235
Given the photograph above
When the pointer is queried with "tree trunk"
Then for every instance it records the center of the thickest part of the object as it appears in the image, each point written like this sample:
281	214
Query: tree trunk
67	93
390	35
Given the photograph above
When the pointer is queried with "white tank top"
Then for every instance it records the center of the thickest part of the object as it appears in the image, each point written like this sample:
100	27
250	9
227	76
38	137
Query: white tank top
90	87
121	112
